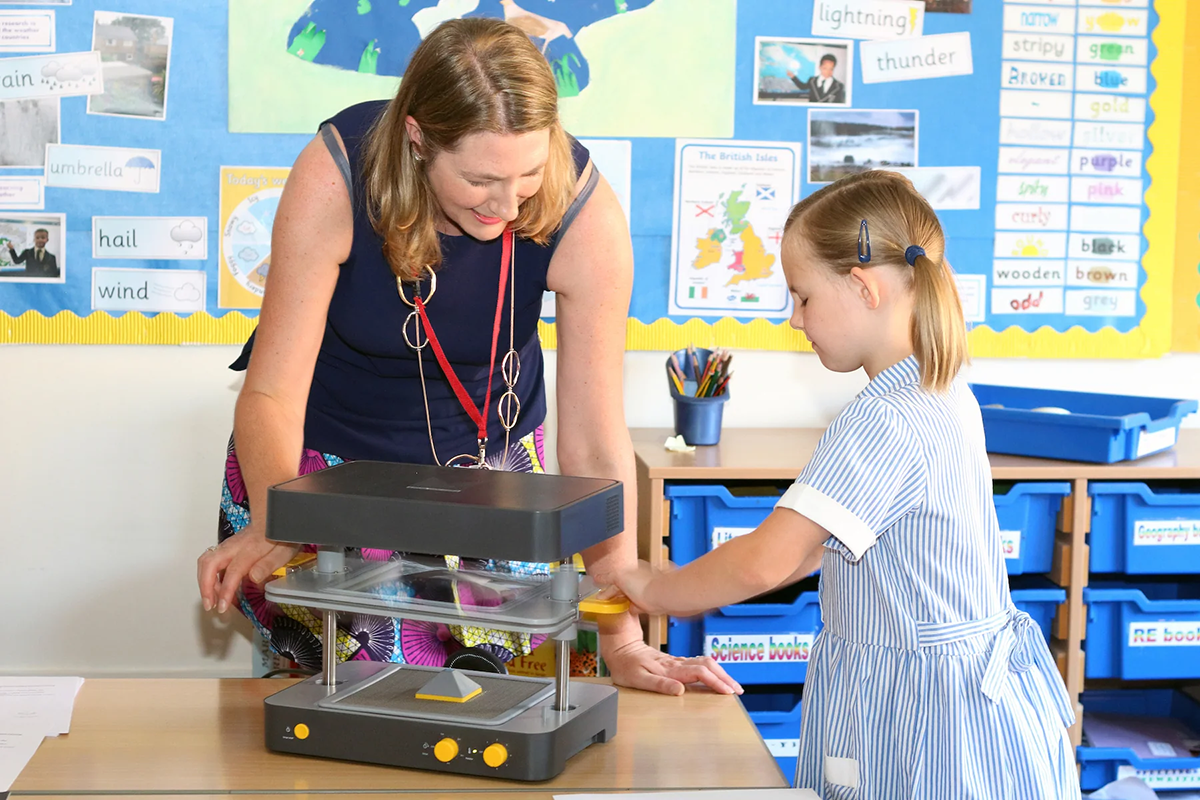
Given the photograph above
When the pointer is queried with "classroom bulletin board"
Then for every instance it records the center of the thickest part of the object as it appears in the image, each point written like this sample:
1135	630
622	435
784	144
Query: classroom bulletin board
142	155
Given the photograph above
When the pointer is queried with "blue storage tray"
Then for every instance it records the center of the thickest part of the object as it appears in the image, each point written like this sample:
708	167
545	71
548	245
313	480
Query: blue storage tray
701	514
1101	428
766	640
1039	598
1102	765
1028	515
1144	630
775	711
1145	530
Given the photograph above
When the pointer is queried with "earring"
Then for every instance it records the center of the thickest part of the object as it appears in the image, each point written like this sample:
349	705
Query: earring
417	156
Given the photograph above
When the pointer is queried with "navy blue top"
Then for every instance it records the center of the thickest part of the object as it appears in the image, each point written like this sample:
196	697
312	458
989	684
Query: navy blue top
366	401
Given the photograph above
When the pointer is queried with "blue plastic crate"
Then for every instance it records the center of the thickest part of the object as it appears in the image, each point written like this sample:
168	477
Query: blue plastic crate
1142	530
705	515
1103	765
1100	428
766	640
1039	598
1145	630
775	711
1028	515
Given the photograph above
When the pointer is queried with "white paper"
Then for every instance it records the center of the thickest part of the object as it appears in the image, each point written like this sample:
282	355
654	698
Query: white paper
178	291
1111	22
38	705
16	749
1110	108
704	794
1117	247
26	31
1106	162
1038	19
1106	50
169	238
1101	303
1030	245
53	75
868	19
121	169
1042	132
1031	217
1038	46
972	293
938	56
1103	274
1117	191
23	192
1122	80
1036	76
1117	135
1114	219
1027	301
1027	272
1024	188
731	202
945	188
1035	160
1029	103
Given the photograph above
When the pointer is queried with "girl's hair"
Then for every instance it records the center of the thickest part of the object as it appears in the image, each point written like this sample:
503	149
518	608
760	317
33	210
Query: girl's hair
897	218
468	76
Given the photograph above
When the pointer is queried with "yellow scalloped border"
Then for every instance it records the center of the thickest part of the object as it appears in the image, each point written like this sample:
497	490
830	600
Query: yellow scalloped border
1150	339
1186	316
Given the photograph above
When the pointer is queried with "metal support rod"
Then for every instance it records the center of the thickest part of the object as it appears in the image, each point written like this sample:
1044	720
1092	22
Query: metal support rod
329	654
562	675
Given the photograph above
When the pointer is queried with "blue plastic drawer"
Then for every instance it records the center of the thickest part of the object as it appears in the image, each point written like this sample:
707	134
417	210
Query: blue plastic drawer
775	711
705	516
766	640
1143	530
1100	428
1039	598
1145	630
1028	515
1103	765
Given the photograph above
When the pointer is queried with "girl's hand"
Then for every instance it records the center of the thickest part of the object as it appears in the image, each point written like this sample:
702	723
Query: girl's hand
637	585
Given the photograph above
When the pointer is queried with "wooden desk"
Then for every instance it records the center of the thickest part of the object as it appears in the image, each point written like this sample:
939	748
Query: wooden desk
167	737
769	454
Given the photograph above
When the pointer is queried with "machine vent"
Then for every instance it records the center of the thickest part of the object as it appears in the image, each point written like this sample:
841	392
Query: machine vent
613	513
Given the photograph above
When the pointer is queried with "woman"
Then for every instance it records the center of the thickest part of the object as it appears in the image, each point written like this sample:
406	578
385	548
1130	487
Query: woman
470	146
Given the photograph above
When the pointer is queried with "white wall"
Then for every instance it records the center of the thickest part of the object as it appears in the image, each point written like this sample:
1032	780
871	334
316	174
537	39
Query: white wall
110	469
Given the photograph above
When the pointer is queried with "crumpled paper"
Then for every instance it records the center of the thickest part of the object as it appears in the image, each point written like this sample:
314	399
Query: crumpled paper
676	444
1125	789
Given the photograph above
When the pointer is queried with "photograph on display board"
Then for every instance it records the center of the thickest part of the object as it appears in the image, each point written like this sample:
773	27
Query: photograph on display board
135	52
31	248
843	142
948	6
26	127
802	71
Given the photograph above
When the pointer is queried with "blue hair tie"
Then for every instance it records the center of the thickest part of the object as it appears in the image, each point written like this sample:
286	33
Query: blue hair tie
910	255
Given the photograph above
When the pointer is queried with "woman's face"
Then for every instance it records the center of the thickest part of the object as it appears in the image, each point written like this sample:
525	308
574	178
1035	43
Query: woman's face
479	186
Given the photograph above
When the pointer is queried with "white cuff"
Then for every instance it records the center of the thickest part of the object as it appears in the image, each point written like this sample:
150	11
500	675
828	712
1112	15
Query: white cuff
822	509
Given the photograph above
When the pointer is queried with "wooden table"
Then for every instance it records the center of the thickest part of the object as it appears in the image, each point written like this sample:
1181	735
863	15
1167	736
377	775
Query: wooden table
770	454
205	737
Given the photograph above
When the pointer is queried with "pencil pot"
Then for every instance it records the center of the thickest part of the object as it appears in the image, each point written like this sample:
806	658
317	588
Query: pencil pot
697	419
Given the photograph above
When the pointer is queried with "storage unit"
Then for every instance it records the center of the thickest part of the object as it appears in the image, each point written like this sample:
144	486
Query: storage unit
1037	597
1078	426
705	516
1103	765
763	641
775	711
1027	513
1142	631
1142	529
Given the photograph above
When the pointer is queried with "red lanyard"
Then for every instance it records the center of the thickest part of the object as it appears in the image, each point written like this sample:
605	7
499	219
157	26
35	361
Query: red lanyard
478	417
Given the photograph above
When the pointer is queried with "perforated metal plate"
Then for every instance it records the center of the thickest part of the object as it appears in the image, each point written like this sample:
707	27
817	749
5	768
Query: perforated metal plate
394	694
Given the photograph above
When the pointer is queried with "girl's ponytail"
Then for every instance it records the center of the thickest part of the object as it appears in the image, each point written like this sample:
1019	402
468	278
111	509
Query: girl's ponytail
939	334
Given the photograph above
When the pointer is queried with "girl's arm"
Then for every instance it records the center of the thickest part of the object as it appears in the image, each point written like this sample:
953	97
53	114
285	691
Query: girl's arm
784	548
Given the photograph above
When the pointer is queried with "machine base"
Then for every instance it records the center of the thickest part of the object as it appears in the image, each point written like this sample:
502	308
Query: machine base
536	743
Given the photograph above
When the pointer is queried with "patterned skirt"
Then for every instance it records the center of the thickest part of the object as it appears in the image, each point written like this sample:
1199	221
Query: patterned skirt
295	632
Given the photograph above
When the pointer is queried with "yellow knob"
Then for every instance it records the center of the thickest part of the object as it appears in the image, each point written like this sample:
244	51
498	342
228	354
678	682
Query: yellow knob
445	750
495	754
301	731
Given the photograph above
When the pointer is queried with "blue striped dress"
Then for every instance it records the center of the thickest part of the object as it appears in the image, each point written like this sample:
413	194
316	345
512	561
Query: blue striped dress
925	681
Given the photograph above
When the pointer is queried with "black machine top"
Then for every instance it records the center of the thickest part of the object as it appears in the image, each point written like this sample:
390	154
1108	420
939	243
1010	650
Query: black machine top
474	513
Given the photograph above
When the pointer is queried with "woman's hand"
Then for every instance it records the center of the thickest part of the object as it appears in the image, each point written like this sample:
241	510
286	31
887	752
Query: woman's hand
246	554
637	665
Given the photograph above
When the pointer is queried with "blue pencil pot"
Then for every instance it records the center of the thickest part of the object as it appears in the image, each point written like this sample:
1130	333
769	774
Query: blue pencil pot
697	419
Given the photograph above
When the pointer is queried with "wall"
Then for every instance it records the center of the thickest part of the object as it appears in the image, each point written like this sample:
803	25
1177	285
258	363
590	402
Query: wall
112	465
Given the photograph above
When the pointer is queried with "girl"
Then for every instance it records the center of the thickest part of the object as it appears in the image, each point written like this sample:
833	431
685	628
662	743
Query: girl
925	681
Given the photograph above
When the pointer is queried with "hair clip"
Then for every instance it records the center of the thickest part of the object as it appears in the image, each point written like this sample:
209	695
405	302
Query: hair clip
910	255
864	235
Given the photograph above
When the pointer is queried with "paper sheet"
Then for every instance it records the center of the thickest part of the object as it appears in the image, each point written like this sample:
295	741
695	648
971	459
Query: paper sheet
40	706
15	751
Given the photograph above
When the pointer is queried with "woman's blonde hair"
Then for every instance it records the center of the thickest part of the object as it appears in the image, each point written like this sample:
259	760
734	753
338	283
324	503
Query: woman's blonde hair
897	218
468	76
